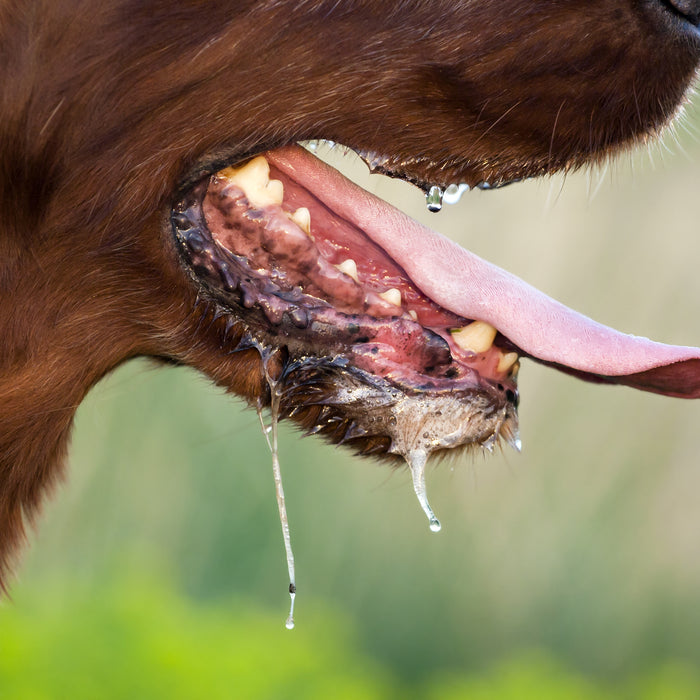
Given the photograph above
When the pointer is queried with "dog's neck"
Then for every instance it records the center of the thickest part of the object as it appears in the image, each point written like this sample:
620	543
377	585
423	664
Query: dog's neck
38	400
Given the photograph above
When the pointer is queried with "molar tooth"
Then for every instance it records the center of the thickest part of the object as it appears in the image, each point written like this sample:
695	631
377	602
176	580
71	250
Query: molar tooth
302	218
477	337
349	267
254	179
392	296
506	361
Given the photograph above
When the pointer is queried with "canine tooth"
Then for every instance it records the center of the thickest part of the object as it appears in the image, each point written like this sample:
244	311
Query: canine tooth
255	173
349	267
254	179
506	362
302	218
477	337
392	296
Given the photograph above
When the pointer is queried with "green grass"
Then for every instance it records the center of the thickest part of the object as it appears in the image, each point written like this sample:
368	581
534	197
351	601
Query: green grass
136	637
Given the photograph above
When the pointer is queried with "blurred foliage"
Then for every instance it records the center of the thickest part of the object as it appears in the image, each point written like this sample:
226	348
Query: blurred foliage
570	571
138	638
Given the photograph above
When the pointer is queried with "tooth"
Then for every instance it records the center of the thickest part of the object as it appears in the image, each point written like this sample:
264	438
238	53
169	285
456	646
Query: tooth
275	191
392	296
254	179
349	267
413	314
302	218
477	337
254	174
506	362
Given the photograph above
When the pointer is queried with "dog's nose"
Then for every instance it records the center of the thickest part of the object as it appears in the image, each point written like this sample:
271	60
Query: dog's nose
690	9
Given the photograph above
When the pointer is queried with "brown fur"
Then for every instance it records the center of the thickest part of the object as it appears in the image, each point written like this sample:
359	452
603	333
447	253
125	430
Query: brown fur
105	107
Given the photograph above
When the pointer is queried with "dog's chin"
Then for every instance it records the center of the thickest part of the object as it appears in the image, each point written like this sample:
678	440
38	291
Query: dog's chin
372	330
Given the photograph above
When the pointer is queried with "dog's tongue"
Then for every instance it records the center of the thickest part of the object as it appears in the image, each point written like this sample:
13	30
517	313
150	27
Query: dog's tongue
465	284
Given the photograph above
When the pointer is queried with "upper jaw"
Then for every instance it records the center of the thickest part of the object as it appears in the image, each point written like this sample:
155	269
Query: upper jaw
425	173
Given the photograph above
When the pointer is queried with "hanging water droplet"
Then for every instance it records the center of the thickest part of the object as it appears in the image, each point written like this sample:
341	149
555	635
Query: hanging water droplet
433	199
454	193
289	624
416	460
270	433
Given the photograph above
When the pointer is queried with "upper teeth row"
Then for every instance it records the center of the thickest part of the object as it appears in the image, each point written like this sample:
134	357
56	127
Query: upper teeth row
254	179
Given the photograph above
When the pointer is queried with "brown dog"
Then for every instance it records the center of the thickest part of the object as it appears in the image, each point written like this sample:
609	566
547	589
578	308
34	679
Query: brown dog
124	232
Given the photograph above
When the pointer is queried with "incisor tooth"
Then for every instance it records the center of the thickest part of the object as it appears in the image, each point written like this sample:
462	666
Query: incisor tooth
392	296
506	362
254	179
413	314
349	267
302	218
477	337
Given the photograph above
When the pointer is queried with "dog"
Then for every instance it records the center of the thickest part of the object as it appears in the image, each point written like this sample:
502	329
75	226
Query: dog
155	203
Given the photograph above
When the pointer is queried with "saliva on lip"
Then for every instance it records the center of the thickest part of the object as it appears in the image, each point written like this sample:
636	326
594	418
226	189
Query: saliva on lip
416	460
435	197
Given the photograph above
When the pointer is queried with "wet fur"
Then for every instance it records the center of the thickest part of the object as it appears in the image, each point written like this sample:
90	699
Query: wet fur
106	107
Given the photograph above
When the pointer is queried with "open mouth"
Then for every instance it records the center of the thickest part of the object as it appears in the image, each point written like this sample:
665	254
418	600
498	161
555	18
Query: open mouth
376	331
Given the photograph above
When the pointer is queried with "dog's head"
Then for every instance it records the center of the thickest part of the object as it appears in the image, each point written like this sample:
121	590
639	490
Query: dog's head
155	204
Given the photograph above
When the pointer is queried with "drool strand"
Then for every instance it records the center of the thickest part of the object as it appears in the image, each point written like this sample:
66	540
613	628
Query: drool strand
270	433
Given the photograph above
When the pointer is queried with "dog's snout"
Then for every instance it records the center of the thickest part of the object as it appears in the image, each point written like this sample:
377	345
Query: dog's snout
688	9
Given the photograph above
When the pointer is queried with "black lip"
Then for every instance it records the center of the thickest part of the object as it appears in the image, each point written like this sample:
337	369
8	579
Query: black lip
678	20
686	10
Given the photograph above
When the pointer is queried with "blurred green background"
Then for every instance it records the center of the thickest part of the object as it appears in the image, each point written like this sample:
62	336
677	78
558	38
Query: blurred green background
570	571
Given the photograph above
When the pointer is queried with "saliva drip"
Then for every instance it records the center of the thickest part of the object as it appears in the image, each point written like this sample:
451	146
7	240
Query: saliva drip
433	198
454	193
416	461
270	434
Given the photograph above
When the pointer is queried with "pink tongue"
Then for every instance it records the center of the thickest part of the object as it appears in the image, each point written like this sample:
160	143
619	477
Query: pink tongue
473	288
